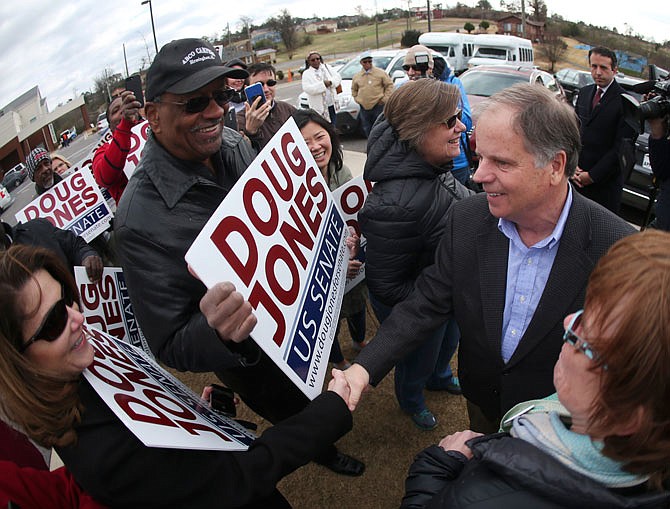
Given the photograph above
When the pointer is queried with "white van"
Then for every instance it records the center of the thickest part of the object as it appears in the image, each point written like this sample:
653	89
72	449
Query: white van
456	48
502	49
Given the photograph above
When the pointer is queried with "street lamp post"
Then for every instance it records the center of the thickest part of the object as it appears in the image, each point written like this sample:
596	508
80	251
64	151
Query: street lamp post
153	28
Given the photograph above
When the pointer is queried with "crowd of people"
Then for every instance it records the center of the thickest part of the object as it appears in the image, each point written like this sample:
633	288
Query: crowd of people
555	304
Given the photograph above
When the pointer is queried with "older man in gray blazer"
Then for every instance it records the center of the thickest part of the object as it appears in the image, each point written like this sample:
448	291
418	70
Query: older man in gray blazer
512	263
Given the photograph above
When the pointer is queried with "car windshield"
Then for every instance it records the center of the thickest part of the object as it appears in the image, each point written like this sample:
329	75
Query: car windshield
497	53
488	83
348	71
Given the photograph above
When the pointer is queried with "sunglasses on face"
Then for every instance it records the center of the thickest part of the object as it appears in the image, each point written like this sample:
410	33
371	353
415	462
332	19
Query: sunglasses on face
416	68
451	121
54	322
200	103
570	337
269	83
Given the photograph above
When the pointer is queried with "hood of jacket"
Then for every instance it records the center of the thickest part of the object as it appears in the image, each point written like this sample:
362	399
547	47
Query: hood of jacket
389	158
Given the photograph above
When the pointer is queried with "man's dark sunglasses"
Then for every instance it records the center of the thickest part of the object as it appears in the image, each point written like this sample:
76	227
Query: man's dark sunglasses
269	83
54	322
200	103
417	68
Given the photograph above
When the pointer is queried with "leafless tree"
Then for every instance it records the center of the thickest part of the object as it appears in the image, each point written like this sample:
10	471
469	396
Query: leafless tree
553	47
286	26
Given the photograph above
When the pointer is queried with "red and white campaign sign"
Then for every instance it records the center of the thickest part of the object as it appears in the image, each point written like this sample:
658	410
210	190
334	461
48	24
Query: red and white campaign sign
349	198
75	204
138	138
106	306
87	162
280	239
155	406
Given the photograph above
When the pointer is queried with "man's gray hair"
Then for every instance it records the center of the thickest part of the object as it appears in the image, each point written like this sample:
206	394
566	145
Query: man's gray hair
546	124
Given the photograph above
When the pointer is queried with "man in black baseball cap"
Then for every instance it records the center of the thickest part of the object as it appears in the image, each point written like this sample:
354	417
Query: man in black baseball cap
189	164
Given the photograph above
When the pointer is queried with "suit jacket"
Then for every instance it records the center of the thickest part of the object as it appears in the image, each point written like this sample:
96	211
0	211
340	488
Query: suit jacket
468	279
602	130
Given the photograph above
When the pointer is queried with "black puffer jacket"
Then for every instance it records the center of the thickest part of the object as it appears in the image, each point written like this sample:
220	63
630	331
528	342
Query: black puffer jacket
508	472
404	215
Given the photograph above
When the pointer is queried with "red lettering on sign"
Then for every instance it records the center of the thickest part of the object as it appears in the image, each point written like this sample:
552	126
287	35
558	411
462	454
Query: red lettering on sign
285	192
135	375
78	182
352	200
297	234
109	376
219	237
252	187
112	312
76	205
157	398
316	189
259	297
285	295
305	205
47	202
31	212
152	415
194	427
295	159
90	196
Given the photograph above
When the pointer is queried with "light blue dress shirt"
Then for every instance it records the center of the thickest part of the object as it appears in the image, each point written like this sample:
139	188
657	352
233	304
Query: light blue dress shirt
528	270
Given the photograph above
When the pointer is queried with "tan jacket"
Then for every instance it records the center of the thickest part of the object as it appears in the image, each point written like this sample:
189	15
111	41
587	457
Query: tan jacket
372	88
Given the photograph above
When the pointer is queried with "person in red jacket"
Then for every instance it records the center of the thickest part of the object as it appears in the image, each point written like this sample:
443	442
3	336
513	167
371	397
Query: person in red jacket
108	162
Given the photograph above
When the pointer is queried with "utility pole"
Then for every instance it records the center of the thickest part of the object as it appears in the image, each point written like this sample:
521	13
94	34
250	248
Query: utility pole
376	24
153	27
428	4
125	59
523	19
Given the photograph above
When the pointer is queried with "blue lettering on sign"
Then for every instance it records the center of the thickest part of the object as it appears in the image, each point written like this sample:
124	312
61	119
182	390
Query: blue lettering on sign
317	306
89	220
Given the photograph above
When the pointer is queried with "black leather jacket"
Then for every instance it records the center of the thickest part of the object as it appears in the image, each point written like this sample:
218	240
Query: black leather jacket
404	215
164	207
508	472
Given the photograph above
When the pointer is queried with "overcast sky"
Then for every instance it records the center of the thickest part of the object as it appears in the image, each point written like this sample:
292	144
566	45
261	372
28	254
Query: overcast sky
63	46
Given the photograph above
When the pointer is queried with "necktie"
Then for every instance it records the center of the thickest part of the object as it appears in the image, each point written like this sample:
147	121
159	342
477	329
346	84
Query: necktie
596	98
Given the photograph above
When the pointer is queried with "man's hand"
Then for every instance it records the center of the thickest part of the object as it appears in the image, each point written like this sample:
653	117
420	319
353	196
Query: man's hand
93	265
255	115
658	128
227	312
130	106
358	379
339	385
456	442
581	178
328	83
353	268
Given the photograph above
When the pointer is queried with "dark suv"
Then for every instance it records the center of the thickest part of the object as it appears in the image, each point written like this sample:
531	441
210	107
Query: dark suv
14	177
572	80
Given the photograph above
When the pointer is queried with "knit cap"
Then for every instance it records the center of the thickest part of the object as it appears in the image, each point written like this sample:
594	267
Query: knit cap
34	159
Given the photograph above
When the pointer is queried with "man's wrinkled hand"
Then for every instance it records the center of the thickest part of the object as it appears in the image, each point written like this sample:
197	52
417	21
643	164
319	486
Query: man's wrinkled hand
93	265
456	442
227	312
358	379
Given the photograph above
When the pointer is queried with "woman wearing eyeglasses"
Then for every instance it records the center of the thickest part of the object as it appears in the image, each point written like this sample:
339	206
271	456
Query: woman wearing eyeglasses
410	150
43	353
603	440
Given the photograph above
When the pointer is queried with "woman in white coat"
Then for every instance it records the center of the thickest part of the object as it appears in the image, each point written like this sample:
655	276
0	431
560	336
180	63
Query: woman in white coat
320	83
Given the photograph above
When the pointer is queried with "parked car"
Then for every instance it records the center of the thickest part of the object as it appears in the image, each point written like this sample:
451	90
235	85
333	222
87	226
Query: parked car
572	80
5	199
14	178
485	80
102	123
347	116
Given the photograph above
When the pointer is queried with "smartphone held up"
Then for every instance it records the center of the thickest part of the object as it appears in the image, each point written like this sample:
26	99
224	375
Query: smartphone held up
253	91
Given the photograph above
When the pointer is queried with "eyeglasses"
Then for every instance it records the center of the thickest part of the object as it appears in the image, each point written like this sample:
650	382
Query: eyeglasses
417	68
571	338
54	322
451	121
269	83
200	103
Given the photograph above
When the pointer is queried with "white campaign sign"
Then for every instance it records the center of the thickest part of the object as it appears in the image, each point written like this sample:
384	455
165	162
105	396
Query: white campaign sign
156	407
349	198
74	204
138	138
106	306
280	239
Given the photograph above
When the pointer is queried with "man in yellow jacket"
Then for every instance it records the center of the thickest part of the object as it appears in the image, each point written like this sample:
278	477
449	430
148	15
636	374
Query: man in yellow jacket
370	88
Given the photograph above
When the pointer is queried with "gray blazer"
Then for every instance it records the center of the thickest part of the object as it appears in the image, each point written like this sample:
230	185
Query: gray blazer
468	280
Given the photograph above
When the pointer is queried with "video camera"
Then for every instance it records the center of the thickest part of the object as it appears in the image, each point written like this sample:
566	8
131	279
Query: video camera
635	113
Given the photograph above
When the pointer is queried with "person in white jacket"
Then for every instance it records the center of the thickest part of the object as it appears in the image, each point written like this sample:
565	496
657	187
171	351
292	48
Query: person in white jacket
320	83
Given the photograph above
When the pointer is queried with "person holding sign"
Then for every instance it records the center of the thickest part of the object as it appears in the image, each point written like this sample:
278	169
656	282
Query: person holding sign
43	352
326	149
403	219
190	163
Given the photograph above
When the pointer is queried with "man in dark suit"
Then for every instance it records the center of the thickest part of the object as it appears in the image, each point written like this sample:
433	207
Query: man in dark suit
512	263
600	112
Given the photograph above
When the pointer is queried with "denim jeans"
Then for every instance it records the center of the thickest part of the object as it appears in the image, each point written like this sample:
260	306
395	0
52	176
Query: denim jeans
356	324
414	370
368	117
442	374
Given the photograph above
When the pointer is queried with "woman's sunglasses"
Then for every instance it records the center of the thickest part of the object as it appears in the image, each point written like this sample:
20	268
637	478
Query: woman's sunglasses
200	103
54	322
451	121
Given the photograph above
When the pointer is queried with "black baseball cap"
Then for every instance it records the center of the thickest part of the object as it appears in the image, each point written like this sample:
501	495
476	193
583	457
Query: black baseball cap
185	65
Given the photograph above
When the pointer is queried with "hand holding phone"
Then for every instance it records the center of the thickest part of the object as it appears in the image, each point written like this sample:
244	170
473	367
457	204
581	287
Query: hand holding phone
134	84
253	91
